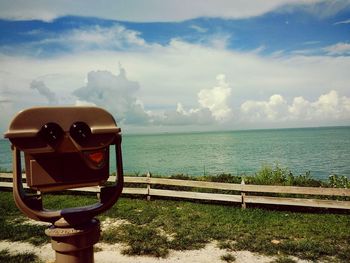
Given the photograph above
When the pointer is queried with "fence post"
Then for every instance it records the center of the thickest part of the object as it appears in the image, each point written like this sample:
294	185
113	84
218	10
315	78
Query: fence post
148	186
244	206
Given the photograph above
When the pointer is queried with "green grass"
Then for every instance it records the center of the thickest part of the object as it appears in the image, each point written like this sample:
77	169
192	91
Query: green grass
283	260
5	256
142	240
184	225
160	225
228	258
11	223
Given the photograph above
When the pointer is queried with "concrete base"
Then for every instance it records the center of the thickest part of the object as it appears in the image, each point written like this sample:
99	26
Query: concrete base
74	244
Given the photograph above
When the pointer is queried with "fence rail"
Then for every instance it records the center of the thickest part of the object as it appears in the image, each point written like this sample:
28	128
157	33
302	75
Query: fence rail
246	194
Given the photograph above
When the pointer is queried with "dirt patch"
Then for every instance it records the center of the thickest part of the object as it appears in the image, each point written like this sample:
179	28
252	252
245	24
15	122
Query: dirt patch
210	254
112	223
112	253
44	252
35	223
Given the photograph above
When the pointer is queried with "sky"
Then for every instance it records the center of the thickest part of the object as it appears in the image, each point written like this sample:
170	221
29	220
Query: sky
180	66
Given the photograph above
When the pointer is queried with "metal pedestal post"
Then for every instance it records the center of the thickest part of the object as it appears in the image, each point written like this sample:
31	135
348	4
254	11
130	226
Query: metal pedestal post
74	244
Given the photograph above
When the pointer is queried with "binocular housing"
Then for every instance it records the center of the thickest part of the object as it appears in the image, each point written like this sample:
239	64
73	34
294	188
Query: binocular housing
64	147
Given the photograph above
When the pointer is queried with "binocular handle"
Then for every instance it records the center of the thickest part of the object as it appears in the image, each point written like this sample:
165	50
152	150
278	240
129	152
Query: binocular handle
32	206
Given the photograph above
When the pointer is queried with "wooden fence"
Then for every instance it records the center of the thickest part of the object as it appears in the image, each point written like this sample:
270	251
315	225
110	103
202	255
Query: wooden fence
243	193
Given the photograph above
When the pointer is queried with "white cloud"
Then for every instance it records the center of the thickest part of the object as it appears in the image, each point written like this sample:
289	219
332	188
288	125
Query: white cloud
260	49
6	107
216	99
200	116
175	73
7	111
44	91
199	28
4	100
116	37
331	106
300	109
323	9
213	107
272	110
326	103
134	10
347	21
328	107
84	103
338	49
345	102
115	93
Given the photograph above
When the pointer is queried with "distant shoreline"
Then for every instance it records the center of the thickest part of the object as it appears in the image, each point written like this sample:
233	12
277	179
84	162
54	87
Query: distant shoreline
235	130
225	130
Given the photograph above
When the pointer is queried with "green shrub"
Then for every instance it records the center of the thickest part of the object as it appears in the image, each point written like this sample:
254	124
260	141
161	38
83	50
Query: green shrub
276	175
223	178
181	177
339	181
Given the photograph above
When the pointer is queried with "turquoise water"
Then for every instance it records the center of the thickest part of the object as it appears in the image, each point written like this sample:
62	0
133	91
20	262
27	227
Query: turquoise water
323	151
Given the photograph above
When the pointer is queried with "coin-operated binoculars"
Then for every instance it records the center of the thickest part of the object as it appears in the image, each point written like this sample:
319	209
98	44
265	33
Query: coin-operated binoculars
64	148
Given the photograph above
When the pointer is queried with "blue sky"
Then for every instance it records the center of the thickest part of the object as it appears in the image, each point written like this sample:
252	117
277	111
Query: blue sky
287	31
161	66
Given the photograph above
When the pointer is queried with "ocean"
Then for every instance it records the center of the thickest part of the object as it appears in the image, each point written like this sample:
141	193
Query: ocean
322	151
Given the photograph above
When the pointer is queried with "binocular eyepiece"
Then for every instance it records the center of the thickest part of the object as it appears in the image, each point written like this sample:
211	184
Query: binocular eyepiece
80	131
52	133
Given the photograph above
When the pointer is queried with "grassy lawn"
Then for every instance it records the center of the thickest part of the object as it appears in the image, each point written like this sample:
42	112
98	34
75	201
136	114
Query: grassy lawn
5	256
155	227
